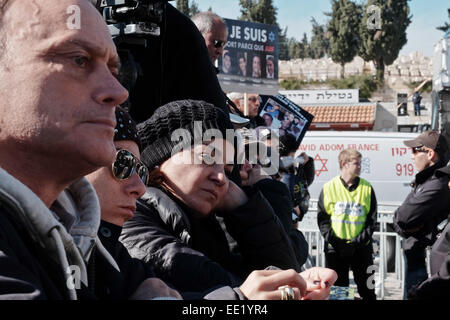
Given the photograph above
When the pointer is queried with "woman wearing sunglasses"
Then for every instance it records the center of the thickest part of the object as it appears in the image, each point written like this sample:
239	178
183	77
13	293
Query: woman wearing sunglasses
175	228
118	187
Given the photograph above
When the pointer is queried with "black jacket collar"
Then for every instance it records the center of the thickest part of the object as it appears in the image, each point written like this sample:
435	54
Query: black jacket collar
425	174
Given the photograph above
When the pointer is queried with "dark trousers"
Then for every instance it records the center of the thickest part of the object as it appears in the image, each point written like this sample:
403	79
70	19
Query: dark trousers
415	268
358	262
417	109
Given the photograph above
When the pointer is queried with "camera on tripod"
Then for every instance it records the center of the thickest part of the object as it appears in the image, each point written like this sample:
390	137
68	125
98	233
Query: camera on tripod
136	27
133	17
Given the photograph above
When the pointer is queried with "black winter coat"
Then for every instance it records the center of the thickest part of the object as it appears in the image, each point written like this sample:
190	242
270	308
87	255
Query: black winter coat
118	285
424	208
26	271
278	195
176	66
438	285
193	253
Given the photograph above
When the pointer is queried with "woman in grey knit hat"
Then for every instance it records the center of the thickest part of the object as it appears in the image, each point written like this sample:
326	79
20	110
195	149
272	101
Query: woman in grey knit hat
175	228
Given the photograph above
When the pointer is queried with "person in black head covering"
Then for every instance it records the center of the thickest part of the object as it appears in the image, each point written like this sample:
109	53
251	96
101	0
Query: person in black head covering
425	207
175	227
437	286
118	187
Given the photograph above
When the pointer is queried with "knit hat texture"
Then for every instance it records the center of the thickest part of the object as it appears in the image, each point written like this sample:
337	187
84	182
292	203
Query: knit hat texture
125	127
192	115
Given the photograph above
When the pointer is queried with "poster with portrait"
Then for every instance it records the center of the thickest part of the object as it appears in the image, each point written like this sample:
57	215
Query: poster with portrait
249	62
281	113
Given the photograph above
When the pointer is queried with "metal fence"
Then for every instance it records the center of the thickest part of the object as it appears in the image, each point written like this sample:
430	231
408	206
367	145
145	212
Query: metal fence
385	216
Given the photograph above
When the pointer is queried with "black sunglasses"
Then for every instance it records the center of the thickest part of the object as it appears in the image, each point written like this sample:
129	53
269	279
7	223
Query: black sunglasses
219	43
418	149
126	164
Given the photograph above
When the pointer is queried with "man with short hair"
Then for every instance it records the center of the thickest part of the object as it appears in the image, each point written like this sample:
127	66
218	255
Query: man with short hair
425	207
438	284
268	119
214	30
347	213
270	67
256	67
59	92
253	107
226	62
417	98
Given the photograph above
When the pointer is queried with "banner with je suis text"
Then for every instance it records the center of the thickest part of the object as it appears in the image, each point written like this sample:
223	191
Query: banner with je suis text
250	58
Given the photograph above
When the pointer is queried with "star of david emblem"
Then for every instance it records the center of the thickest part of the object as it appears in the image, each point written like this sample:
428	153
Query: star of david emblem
324	165
271	36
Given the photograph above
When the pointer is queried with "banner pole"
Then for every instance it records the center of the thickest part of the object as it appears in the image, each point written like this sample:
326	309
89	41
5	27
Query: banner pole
245	104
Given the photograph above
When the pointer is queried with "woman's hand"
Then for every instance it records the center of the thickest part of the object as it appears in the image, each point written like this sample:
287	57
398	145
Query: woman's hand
255	174
319	282
154	288
234	198
265	284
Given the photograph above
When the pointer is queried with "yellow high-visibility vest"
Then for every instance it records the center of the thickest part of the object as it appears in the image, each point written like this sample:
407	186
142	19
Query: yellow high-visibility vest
348	209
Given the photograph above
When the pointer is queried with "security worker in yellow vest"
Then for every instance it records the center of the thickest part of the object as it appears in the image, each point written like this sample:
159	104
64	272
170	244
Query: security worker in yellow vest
347	213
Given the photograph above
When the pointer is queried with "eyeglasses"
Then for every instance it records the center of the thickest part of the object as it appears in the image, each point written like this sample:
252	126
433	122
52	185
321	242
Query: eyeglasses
126	164
219	44
252	99
418	149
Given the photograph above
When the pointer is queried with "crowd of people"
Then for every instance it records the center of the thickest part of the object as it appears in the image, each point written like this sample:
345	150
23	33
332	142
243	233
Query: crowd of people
95	204
62	135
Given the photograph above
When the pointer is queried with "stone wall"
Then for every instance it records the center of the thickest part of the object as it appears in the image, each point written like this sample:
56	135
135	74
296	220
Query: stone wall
414	67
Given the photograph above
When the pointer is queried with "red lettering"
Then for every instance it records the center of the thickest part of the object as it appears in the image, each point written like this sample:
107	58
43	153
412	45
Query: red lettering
307	147
331	147
406	169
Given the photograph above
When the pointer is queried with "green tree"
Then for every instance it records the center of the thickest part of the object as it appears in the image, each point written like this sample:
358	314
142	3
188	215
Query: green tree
319	45
183	6
297	49
261	11
383	32
293	48
446	26
345	19
306	46
193	9
189	10
283	45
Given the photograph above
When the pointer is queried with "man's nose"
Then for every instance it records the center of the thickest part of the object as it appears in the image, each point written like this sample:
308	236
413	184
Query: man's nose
110	92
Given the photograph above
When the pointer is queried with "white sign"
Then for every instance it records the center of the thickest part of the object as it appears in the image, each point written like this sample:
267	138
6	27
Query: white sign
386	161
302	97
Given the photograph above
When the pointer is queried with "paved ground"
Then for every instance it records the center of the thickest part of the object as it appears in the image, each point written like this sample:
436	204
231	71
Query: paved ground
392	287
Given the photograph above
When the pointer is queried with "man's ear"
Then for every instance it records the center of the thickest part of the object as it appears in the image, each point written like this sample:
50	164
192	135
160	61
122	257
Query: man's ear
433	156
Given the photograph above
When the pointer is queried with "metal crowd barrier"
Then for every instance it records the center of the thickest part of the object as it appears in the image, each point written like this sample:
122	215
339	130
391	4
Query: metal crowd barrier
385	216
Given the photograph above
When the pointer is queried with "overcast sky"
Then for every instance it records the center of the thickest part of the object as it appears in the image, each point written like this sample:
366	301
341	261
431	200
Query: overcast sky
296	15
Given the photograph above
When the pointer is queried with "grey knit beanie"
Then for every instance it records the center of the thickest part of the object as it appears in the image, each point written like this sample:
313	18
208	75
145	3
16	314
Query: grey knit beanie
156	132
